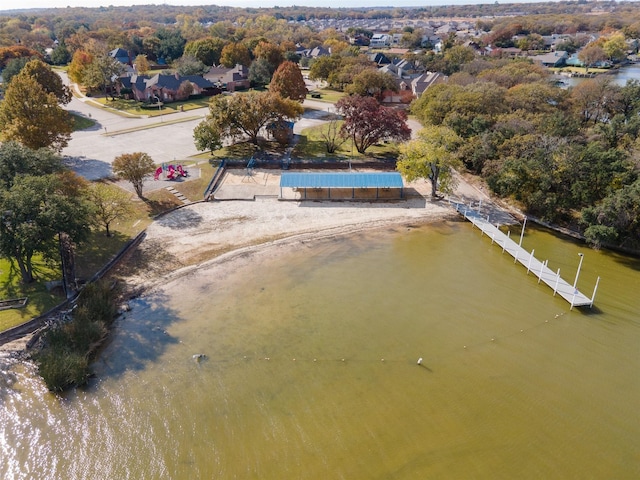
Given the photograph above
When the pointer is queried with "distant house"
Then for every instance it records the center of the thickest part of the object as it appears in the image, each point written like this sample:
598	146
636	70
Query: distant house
230	79
553	59
121	55
162	88
379	58
380	40
426	80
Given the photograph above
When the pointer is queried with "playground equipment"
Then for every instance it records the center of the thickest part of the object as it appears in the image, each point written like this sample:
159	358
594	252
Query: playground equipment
170	172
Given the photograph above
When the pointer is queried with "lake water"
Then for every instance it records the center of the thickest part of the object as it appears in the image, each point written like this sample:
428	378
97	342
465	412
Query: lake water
311	371
620	76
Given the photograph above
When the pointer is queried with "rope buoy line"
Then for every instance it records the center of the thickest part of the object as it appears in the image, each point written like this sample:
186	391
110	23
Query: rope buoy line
420	361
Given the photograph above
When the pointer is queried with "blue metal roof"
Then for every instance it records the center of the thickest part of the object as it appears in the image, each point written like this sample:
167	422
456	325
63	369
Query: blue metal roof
341	180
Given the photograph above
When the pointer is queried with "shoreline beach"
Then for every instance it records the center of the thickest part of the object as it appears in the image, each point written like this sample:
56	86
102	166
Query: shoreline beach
223	232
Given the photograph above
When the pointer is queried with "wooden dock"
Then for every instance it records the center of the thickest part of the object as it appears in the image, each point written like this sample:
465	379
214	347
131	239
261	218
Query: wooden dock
527	259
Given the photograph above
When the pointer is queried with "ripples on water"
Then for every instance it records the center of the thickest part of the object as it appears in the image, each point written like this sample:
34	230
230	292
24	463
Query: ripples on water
311	371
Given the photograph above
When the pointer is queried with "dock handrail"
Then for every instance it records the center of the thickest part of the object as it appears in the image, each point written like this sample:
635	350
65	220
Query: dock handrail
540	269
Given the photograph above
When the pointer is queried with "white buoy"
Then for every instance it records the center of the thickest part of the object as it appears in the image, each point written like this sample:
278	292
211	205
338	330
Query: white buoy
420	361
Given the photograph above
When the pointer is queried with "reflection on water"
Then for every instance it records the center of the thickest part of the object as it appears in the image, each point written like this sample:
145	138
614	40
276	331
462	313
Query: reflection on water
311	371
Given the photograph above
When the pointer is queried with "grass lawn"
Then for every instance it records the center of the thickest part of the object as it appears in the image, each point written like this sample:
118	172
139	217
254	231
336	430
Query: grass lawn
134	107
312	145
580	70
327	95
81	123
11	286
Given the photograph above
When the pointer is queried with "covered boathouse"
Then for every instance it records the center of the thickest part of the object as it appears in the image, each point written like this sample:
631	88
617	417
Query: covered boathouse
341	186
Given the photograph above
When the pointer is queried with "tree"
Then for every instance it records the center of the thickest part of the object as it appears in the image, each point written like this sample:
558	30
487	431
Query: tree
18	160
141	64
322	67
35	211
615	219
235	54
366	122
245	115
431	156
207	50
134	167
456	56
102	72
16	51
592	98
288	82
187	65
590	55
616	47
185	89
270	52
260	72
33	117
170	45
79	63
372	82
13	68
110	204
60	55
331	135
207	136
48	79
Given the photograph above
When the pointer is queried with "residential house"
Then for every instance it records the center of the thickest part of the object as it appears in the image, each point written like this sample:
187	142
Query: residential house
162	88
426	80
380	40
314	52
553	59
230	79
379	58
121	55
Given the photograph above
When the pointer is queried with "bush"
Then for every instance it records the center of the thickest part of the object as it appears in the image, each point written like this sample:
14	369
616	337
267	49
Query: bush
60	369
64	359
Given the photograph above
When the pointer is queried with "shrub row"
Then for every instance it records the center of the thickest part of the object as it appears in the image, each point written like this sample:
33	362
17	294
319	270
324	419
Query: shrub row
63	360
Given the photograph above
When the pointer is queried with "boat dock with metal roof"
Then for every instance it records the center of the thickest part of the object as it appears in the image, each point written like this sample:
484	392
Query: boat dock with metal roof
527	259
344	181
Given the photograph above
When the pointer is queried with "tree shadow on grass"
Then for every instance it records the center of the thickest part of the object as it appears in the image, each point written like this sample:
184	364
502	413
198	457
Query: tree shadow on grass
93	255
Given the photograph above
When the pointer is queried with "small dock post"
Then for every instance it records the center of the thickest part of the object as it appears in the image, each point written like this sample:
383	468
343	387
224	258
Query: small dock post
524	223
505	243
542	267
555	289
530	258
595	289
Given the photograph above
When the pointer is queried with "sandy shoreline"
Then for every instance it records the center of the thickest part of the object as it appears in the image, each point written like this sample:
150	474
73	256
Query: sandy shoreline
197	235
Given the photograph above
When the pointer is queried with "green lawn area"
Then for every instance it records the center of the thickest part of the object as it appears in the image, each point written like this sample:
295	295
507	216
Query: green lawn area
581	70
328	95
134	107
312	145
11	286
81	123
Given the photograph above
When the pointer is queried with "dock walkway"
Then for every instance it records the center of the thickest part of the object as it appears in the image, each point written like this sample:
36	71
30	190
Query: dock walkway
527	259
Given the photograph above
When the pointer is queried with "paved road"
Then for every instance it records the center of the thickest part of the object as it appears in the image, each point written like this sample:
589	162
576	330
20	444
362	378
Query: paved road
91	152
